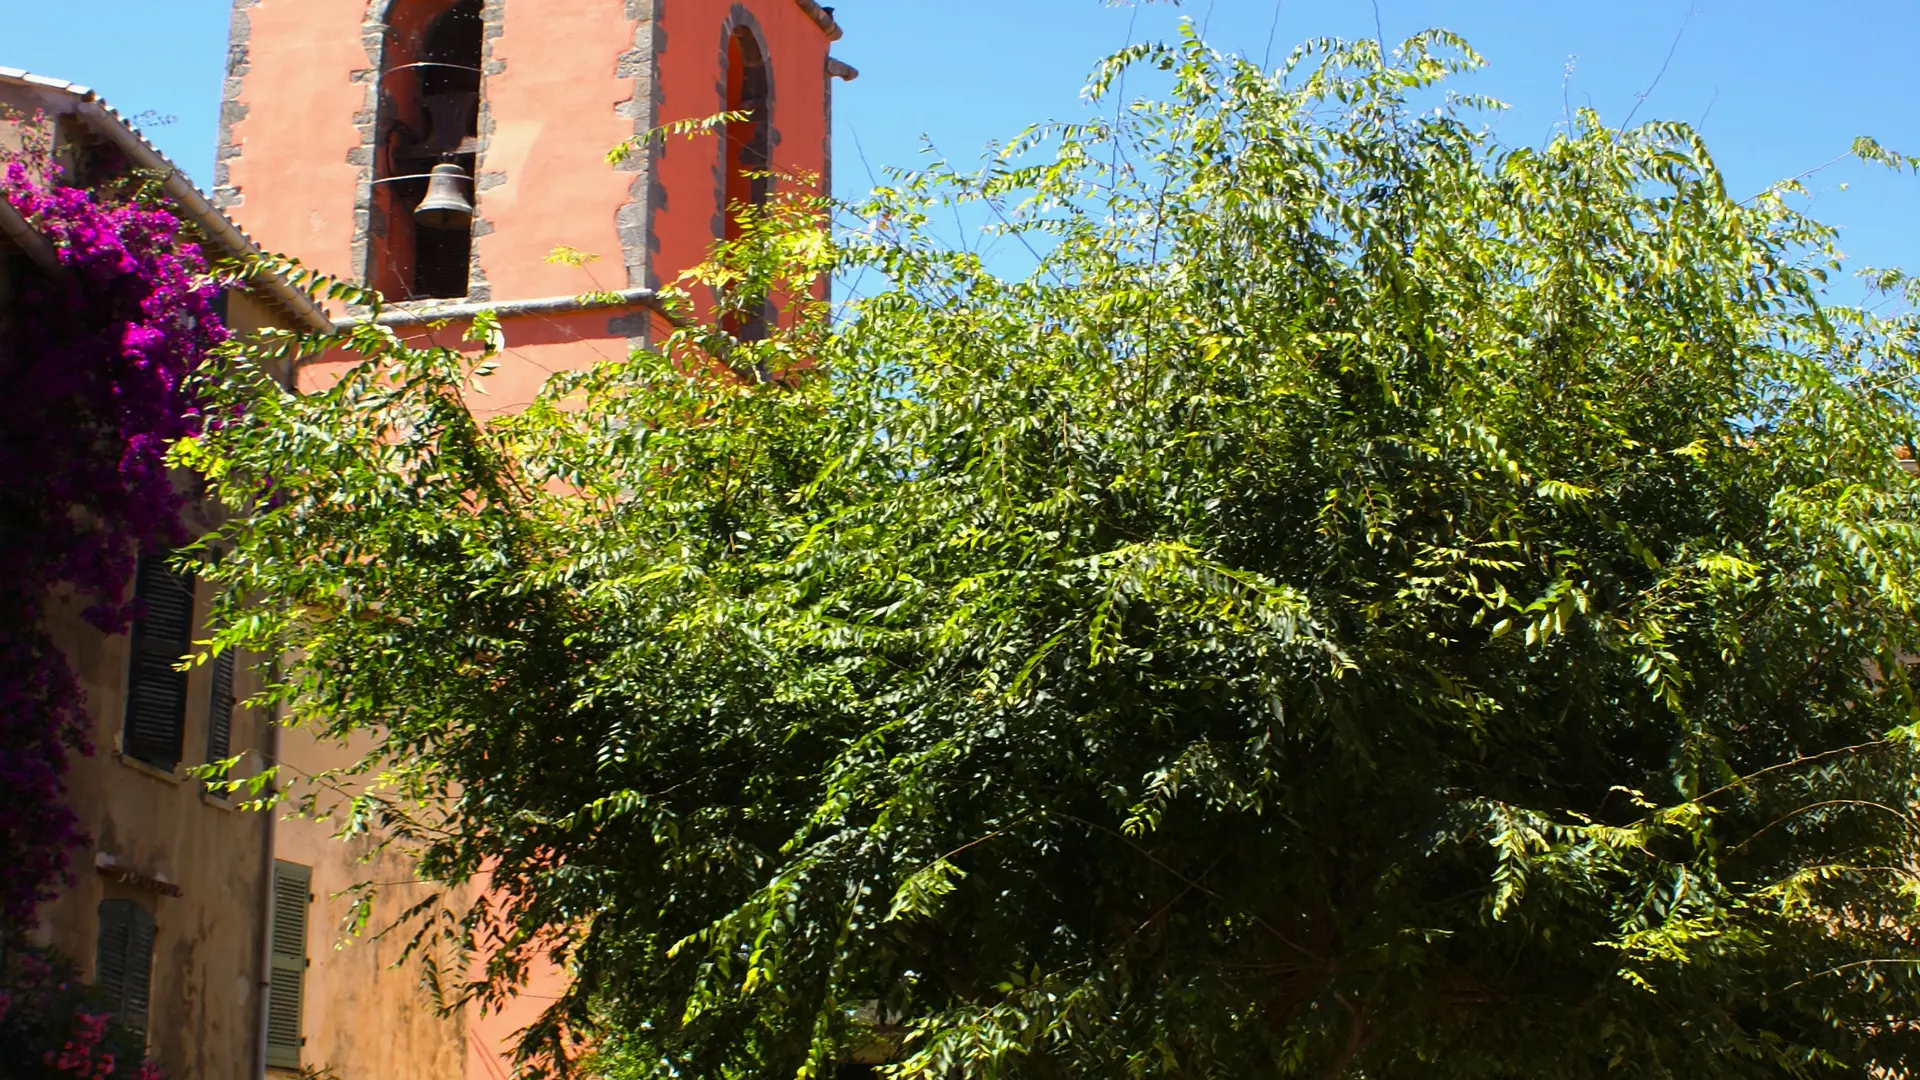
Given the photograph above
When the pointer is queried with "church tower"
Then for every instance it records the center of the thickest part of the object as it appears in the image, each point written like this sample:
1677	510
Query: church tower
355	133
439	151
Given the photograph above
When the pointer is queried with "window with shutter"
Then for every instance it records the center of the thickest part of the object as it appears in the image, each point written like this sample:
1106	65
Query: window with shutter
156	692
110	955
220	710
123	963
133	1004
287	980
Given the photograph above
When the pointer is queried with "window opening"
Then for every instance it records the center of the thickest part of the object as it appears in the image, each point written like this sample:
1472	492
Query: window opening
748	152
288	977
220	712
156	690
123	961
429	139
86	158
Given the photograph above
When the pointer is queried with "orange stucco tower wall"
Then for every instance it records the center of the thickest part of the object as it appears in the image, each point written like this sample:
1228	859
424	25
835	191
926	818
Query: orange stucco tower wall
331	104
321	92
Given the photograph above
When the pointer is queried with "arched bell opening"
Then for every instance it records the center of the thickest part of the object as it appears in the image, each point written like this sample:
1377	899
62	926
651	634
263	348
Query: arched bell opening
427	143
747	149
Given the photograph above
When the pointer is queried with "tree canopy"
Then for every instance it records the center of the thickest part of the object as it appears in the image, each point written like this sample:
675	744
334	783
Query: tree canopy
1372	602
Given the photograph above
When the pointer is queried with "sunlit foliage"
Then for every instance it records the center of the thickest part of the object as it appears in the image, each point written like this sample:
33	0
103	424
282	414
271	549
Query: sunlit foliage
1372	602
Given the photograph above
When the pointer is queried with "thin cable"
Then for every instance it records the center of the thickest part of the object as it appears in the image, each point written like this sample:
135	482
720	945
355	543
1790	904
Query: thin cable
1266	58
1658	75
862	151
1119	99
873	183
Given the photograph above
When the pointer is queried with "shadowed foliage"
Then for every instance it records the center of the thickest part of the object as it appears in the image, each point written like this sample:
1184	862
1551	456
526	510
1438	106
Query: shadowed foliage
1371	602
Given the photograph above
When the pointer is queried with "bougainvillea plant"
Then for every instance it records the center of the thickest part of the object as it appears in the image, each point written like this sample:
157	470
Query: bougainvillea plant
54	1027
95	360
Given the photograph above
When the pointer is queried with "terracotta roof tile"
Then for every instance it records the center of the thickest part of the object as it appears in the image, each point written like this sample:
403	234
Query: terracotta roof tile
108	122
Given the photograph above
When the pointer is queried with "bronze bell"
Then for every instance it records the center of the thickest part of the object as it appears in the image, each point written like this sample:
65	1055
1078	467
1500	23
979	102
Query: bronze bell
446	206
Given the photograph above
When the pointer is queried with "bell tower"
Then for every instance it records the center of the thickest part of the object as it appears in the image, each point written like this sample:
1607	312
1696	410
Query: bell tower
426	143
440	150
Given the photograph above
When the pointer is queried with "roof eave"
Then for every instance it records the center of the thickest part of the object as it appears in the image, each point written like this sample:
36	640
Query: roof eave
822	18
202	211
107	123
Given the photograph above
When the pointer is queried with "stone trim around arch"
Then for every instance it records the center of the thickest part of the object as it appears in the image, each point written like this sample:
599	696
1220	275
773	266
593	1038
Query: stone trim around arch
633	221
233	107
366	229
737	20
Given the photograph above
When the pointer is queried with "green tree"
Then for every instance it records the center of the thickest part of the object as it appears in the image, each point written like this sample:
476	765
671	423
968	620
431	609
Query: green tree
1372	602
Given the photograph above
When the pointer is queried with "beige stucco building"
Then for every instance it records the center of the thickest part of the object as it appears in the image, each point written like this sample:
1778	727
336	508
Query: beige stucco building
169	910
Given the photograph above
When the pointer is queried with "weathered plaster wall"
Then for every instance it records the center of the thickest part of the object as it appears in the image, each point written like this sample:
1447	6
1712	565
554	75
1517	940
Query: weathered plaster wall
247	314
204	1011
295	88
206	962
57	109
365	1014
555	107
691	65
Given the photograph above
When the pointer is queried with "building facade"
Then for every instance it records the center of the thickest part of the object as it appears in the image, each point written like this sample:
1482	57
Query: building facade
337	111
437	150
170	910
440	151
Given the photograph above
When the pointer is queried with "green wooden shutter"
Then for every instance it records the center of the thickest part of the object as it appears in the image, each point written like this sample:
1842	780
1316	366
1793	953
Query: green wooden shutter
220	710
110	954
123	966
133	1007
156	693
287	981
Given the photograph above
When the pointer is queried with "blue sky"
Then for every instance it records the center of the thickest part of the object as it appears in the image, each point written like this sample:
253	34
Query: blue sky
1777	86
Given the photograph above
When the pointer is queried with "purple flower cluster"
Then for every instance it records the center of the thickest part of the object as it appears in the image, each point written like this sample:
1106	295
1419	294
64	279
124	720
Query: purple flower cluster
94	370
54	1027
